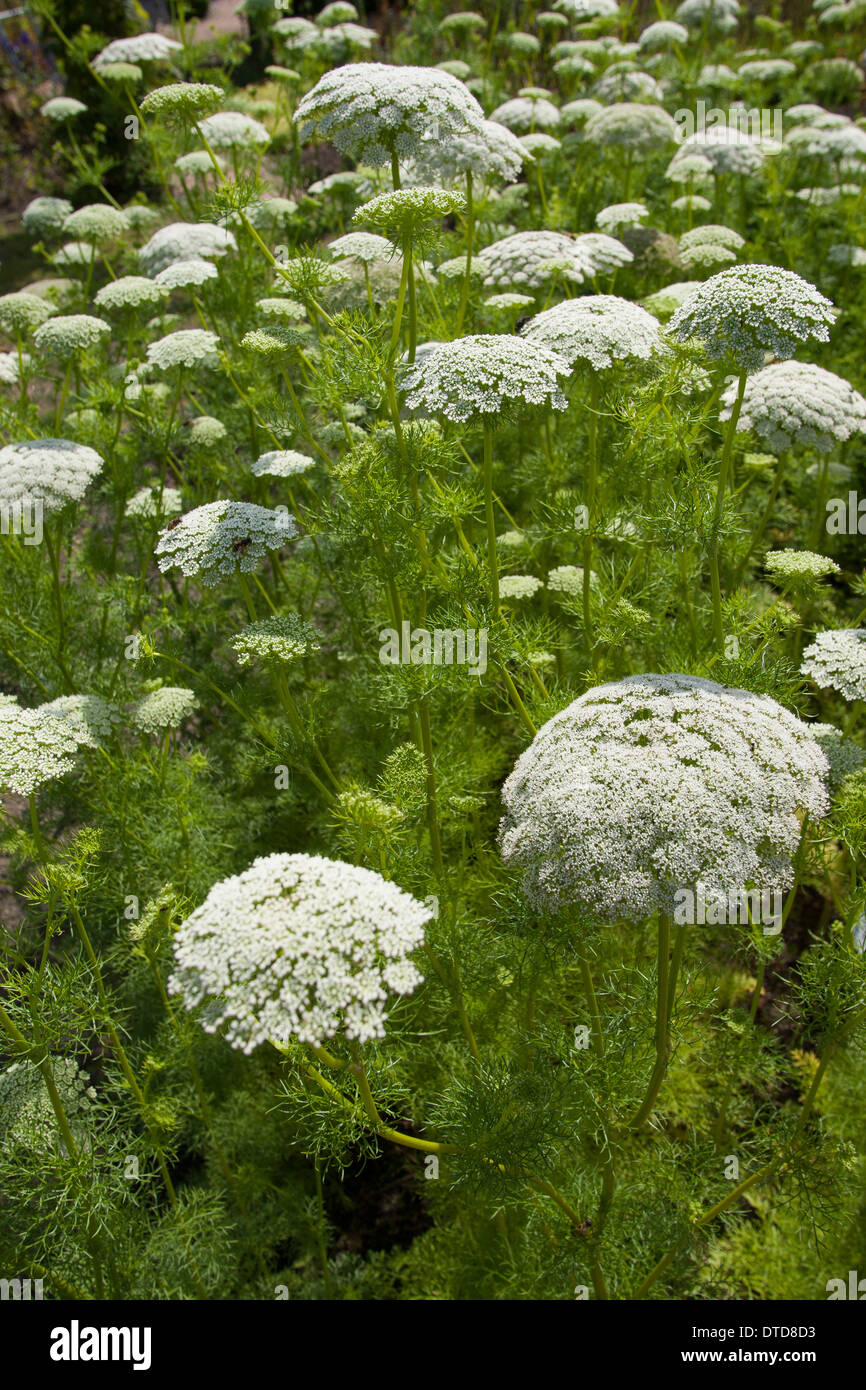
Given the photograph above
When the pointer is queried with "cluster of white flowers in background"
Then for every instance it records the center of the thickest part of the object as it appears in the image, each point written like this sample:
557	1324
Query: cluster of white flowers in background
44	216
836	660
232	130
725	771
188	347
219	539
479	374
55	470
298	946
281	463
149	504
792	403
519	586
527	258
165	708
90	718
488	153
141	48
130	292
799	566
27	1117
65	334
20	311
184	241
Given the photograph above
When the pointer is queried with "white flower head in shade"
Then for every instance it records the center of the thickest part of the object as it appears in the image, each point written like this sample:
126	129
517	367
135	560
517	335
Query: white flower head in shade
56	471
90	718
691	202
10	367
524	114
281	463
130	292
665	33
189	347
165	708
207	430
75	255
801	568
28	1120
148	503
338	12
597	330
719	16
568	580
45	216
836	660
730	150
20	311
184	241
519	586
619	215
66	334
637	126
711	235
748	310
219	539
619	85
831	144
792	403
541	145
602	253
299	946
764	70
725	771
588	9
284	638
185	275
575	114
198	162
295	32
35	747
95	223
141	48
525	258
61	108
182	100
407	207
843	754
121	72
480	375
372	111
362	246
492	152
232	130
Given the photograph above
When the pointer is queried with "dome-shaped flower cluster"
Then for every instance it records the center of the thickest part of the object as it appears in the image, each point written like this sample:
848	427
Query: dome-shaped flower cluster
527	113
801	568
184	241
374	110
130	292
603	254
149	503
407	207
299	946
188	347
619	215
728	149
36	746
664	33
525	258
45	216
66	334
492	152
141	48
62	108
182	100
185	275
748	310
519	586
20	311
90	718
639	127
719	16
281	463
658	783
28	1121
165	708
233	130
219	539
599	330
479	375
283	638
95	223
792	403
836	660
56	471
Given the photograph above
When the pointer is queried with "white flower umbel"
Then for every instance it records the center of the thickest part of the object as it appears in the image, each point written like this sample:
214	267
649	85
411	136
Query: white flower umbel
299	946
792	403
479	375
220	539
362	246
716	16
148	503
35	747
519	586
28	1120
725	773
67	334
749	310
602	253
20	311
620	215
61	108
799	568
90	718
141	48
130	292
378	112
598	330
45	216
185	275
843	754
284	638
524	114
207	431
182	101
581	10
184	241
189	347
232	130
281	463
636	127
95	223
729	150
665	33
525	259
56	471
492	152
165	708
836	660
